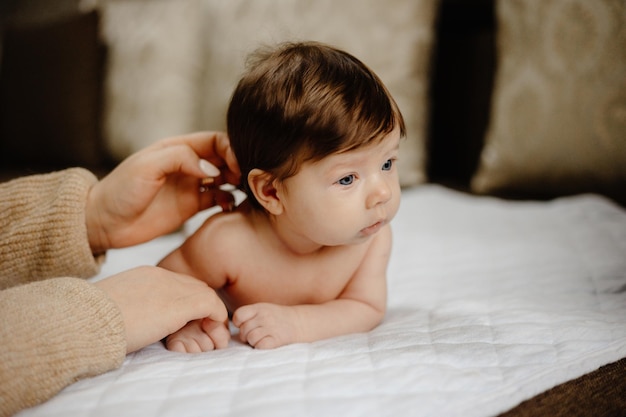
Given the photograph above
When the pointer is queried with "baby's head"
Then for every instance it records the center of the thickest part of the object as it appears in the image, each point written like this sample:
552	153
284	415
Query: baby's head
301	102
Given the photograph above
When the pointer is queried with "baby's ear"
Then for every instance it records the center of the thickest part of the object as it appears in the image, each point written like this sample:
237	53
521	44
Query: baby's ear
262	185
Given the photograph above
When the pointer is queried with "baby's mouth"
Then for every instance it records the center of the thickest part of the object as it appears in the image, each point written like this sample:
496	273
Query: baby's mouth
373	229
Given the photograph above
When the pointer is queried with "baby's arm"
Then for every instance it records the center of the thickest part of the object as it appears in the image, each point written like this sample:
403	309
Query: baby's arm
196	258
359	308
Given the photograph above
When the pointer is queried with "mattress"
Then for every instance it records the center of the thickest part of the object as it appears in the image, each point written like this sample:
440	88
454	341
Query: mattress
491	302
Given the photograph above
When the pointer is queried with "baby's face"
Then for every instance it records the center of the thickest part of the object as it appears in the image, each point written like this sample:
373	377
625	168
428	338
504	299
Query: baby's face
347	197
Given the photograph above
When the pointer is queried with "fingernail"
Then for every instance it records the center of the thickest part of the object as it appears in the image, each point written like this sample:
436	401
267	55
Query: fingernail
208	168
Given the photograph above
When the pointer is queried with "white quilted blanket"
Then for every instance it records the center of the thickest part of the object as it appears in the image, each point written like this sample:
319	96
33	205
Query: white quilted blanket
490	303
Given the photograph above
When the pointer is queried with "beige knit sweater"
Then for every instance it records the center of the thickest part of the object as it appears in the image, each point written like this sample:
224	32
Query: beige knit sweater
55	327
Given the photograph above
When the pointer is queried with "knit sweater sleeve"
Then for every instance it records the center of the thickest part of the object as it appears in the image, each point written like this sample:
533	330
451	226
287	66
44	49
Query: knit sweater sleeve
54	331
42	227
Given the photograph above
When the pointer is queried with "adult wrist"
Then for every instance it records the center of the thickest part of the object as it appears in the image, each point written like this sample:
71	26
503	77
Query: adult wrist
95	233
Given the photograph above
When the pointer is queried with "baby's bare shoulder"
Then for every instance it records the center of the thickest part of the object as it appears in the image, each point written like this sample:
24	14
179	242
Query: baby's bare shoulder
226	228
215	248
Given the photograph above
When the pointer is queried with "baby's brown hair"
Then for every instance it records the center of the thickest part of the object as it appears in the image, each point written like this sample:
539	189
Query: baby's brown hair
301	102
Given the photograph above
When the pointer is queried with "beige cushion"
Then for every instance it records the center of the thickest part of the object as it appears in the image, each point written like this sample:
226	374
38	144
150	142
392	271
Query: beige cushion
154	70
174	64
558	123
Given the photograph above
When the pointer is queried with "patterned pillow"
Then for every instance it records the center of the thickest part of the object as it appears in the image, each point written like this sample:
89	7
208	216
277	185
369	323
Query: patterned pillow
558	123
174	64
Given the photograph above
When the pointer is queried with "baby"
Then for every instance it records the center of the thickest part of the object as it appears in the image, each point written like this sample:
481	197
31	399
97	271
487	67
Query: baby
304	257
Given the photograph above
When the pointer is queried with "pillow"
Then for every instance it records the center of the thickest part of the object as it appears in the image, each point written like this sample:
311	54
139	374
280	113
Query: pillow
394	38
153	72
175	64
558	122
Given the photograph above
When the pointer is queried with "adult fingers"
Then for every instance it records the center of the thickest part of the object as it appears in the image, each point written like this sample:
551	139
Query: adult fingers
212	146
207	305
212	196
175	159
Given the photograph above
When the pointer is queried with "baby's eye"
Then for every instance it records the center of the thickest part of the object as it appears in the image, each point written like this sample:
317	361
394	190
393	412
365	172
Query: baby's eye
347	180
387	165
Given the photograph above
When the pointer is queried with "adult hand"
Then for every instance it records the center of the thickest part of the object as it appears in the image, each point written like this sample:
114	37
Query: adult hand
156	302
155	190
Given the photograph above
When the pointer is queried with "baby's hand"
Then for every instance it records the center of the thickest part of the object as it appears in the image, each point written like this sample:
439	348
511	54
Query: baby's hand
199	336
266	326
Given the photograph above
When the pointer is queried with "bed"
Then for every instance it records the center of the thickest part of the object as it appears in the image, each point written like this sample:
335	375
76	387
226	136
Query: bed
491	302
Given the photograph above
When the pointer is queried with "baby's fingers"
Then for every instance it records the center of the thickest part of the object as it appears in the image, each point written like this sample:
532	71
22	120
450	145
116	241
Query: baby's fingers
189	346
267	342
243	314
217	331
257	337
249	328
